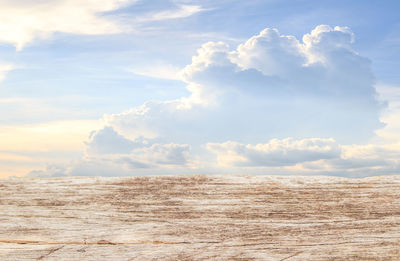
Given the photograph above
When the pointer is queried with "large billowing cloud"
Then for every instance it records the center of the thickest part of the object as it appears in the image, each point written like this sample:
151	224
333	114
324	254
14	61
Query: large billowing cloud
274	104
272	86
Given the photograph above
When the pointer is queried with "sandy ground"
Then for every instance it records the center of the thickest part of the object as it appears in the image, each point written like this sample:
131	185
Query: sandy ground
200	218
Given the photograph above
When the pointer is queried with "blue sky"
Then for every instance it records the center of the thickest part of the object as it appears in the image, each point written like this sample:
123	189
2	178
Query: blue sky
124	87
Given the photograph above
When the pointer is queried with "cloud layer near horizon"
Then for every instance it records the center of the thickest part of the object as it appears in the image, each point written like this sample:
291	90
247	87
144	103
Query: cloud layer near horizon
272	105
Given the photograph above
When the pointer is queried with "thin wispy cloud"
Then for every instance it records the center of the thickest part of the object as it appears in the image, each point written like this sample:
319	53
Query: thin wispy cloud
181	11
4	69
160	71
21	22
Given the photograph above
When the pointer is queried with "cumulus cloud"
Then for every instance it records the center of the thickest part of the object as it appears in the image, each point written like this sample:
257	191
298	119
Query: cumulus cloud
324	64
272	84
244	103
107	142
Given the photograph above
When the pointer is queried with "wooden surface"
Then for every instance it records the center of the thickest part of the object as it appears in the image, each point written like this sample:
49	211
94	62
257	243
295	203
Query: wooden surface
200	218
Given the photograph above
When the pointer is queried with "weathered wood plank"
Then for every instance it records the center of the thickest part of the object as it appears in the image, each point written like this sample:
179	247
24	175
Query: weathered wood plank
200	218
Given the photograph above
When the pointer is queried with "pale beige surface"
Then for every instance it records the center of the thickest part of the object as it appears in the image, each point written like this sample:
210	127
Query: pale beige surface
200	218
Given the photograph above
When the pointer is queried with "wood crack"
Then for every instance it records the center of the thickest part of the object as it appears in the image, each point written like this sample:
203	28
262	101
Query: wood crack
295	254
100	242
51	251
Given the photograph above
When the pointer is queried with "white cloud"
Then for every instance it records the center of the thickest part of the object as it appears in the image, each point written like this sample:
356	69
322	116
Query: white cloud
307	156
161	71
107	143
147	121
272	84
270	53
23	21
323	40
4	69
181	11
147	156
168	154
287	156
358	161
284	152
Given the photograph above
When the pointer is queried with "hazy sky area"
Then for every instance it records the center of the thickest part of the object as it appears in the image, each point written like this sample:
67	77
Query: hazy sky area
134	87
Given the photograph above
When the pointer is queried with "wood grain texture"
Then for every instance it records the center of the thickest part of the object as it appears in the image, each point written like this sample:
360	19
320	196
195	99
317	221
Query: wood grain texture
200	218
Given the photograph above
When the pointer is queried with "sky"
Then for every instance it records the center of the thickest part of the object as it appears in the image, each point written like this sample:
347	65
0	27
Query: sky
133	87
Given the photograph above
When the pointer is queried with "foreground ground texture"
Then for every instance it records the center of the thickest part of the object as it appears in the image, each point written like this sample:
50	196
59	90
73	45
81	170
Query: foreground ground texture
200	218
